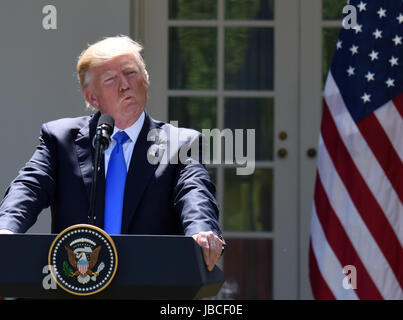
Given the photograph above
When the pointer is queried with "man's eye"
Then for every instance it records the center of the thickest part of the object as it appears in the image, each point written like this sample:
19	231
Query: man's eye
110	79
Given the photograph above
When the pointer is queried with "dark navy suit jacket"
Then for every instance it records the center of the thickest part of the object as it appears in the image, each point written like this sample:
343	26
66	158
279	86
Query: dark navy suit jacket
160	198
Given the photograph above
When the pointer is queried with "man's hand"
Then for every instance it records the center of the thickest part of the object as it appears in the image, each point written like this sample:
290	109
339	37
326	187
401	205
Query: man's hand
211	246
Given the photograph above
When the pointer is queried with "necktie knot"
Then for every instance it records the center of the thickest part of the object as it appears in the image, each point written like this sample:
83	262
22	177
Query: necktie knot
121	137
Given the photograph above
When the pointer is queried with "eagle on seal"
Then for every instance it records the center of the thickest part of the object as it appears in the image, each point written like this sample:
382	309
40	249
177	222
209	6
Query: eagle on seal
83	263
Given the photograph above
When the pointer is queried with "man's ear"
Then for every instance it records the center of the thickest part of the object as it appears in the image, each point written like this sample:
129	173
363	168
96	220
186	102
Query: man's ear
90	97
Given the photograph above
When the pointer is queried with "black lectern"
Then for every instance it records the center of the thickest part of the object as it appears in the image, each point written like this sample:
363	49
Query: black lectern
149	267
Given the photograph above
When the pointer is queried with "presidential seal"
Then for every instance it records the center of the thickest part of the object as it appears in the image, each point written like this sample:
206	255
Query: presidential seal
83	259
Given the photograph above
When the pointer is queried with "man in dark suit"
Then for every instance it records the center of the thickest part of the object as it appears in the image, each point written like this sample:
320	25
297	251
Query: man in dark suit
158	197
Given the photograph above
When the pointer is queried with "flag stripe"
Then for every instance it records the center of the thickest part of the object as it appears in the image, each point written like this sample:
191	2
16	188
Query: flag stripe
391	121
361	196
357	231
320	289
328	264
341	245
398	101
383	150
364	159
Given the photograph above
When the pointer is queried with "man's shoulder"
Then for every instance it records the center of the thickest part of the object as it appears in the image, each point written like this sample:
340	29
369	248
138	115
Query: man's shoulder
67	124
173	130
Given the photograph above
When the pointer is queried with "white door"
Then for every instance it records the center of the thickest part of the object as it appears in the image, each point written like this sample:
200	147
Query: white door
233	64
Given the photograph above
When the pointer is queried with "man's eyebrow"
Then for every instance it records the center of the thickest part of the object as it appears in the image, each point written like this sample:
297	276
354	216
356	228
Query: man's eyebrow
130	67
107	73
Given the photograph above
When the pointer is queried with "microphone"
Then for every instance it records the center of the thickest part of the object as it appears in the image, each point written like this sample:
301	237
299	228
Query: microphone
104	131
100	143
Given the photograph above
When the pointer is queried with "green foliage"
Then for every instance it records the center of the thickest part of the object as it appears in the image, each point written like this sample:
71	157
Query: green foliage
329	40
333	9
194	112
248	201
192	58
66	269
192	9
247	9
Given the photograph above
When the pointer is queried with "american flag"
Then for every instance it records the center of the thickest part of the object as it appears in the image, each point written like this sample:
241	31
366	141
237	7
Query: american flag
357	217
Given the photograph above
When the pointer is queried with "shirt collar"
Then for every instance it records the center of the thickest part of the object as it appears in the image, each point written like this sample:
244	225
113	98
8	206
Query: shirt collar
134	130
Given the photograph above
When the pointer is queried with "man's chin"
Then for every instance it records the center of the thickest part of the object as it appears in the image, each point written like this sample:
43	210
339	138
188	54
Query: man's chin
132	110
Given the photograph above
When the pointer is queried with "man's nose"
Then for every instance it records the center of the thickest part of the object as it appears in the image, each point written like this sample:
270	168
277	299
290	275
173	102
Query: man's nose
123	84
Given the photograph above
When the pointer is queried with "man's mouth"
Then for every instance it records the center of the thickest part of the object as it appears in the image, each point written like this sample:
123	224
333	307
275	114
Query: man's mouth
127	98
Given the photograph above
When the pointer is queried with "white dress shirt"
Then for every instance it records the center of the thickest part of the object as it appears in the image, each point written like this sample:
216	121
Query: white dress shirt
133	132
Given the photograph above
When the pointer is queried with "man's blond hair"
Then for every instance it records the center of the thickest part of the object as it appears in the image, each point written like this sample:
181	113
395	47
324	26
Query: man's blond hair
106	50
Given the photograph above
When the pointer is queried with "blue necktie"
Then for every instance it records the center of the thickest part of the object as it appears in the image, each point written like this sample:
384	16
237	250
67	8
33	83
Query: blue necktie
115	186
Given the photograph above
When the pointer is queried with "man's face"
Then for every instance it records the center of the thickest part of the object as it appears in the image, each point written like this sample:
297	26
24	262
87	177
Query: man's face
118	88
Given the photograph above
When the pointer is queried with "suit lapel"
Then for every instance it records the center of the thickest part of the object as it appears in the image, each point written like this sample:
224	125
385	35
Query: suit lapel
85	156
140	171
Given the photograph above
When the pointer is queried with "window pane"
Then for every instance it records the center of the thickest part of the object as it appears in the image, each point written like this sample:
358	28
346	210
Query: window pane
192	9
333	9
248	58
248	200
248	266
249	9
196	113
252	113
192	58
329	40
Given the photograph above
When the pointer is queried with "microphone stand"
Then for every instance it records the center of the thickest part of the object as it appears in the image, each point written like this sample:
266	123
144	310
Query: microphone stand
99	150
